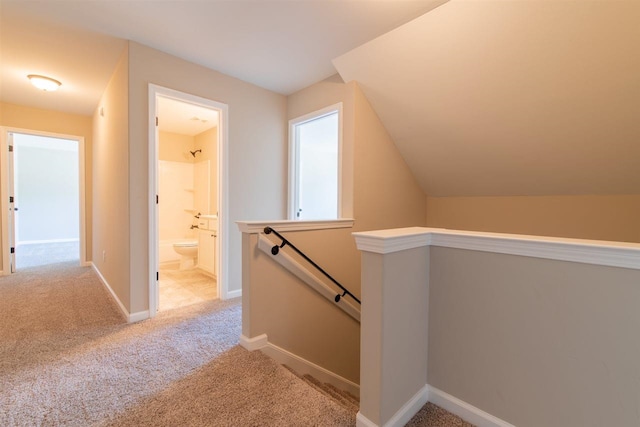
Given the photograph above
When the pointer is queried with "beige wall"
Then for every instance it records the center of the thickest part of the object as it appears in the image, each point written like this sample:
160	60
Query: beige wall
383	194
295	317
257	153
535	342
207	141
386	193
321	245
380	193
320	95
111	184
394	342
175	147
612	217
35	119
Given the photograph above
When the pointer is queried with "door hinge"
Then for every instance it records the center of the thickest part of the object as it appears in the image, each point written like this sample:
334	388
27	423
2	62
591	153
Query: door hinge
13	250
10	199
157	199
11	148
156	120
157	276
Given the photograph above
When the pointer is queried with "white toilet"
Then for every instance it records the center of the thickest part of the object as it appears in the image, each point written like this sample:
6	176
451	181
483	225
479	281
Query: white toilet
188	251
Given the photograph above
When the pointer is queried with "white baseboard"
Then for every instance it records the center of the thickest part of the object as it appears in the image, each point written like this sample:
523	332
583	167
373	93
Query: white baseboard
232	294
362	421
255	343
138	316
410	408
206	272
403	415
298	364
129	317
464	410
444	400
86	264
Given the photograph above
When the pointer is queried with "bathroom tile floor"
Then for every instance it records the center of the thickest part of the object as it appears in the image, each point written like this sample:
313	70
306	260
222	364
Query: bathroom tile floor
184	287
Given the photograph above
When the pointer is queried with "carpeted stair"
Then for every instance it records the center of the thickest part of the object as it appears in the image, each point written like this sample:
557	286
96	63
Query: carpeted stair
341	397
429	416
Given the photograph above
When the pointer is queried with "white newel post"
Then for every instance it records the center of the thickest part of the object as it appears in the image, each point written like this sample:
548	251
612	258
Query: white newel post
394	325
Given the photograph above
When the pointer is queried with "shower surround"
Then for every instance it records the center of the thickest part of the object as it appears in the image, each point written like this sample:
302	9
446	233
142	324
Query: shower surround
183	190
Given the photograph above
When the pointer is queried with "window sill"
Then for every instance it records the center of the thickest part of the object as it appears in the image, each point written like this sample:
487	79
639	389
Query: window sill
254	227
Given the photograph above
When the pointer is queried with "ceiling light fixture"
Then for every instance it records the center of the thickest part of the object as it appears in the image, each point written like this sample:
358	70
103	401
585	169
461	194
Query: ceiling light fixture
45	83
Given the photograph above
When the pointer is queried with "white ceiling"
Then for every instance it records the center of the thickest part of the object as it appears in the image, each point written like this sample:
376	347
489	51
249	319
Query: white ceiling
184	118
279	45
82	60
511	97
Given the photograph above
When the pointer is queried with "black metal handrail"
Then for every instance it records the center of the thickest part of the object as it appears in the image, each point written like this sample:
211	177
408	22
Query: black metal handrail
276	249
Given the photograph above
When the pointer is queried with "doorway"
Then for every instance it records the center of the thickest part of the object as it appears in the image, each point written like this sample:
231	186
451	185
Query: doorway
187	234
43	179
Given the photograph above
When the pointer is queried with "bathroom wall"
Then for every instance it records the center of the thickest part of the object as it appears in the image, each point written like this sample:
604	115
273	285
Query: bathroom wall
175	192
183	190
207	141
176	206
201	186
175	147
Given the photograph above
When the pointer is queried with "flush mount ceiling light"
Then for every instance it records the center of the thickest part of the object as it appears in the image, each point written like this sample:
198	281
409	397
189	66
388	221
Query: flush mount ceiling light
198	118
45	83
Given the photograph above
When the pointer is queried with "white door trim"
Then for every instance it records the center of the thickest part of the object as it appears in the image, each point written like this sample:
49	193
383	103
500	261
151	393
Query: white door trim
4	188
222	251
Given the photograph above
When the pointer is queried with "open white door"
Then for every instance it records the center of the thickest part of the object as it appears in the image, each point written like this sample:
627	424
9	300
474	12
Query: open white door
14	186
12	206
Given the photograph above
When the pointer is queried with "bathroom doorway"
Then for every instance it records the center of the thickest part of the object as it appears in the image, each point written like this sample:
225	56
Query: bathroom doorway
186	236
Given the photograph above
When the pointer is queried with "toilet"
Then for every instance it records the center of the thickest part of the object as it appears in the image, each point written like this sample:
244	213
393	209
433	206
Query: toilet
188	251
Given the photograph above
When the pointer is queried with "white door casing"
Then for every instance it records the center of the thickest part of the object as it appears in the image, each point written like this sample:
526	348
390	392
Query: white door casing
7	190
222	242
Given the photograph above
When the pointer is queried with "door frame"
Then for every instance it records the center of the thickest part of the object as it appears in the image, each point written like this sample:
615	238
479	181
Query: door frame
222	250
5	132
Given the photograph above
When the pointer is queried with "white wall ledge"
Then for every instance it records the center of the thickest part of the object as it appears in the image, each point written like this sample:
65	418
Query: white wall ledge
614	254
254	227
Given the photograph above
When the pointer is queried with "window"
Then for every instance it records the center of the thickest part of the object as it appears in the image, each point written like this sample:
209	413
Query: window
314	164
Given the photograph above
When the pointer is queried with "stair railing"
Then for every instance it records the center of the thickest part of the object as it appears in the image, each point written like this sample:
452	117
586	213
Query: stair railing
276	249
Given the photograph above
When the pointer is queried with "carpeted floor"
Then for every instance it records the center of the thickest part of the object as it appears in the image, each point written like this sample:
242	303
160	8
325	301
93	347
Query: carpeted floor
68	359
35	254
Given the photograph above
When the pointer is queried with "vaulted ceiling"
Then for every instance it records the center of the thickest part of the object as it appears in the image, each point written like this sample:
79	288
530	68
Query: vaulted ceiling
511	97
525	97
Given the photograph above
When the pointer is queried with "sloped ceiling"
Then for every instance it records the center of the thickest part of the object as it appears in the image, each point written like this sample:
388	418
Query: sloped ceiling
511	97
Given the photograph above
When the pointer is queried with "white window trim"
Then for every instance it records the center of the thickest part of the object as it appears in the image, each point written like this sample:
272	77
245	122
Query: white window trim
293	155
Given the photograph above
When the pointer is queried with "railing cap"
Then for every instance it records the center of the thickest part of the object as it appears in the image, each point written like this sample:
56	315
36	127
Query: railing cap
615	254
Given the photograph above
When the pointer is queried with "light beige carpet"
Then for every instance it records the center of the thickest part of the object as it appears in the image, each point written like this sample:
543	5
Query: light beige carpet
68	359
